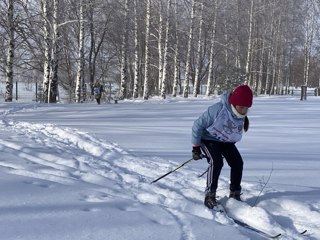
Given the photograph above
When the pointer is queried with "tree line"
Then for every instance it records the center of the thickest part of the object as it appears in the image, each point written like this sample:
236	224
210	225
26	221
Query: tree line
159	47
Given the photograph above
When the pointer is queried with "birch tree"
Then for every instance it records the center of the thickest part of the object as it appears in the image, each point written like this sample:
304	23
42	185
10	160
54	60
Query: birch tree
10	52
237	47
292	22
262	48
176	61
274	55
147	53
198	55
136	52
53	77
166	53
249	50
160	48
226	49
189	49
309	32
124	54
262	54
212	48
270	50
47	50
80	60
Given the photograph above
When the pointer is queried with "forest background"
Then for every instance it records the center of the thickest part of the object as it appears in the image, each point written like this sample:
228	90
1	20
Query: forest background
143	48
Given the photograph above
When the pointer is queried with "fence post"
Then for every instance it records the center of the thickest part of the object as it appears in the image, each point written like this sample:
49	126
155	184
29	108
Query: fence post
17	91
36	92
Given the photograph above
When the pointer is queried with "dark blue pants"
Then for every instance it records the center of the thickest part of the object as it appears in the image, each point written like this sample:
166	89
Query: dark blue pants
215	151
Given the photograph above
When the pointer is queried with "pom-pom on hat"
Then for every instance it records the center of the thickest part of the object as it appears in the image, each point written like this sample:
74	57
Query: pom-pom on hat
241	96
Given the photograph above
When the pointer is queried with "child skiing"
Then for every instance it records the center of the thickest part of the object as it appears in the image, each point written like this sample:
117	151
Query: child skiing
215	132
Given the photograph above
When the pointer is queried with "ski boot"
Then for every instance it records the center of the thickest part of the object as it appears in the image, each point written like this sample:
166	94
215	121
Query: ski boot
210	200
235	195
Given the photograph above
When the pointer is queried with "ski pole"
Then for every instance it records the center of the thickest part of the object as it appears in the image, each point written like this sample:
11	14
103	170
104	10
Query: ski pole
173	170
199	176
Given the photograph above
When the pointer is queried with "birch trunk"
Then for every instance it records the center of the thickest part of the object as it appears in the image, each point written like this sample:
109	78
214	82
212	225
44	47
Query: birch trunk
226	52
10	54
136	53
249	51
289	82
267	83
274	62
166	54
160	49
198	57
47	49
79	80
124	55
188	61
53	78
308	42
270	53
91	61
280	73
176	60
237	60
147	60
262	51
259	84
212	47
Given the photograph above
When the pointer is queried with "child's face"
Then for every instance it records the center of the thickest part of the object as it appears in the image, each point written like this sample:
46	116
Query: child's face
242	110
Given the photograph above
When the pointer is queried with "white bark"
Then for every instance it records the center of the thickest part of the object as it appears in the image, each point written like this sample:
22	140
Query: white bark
249	51
147	60
79	80
188	61
166	54
124	57
237	60
269	64
47	49
273	62
308	40
53	78
259	84
198	56
176	61
212	47
160	48
136	53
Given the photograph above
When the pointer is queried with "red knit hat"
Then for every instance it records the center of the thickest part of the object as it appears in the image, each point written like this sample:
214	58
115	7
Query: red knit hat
241	96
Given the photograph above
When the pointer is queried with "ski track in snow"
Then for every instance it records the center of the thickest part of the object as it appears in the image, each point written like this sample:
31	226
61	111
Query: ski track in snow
90	161
94	163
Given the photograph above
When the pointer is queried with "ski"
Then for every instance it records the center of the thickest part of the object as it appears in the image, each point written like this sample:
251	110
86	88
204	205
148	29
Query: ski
264	234
220	208
258	231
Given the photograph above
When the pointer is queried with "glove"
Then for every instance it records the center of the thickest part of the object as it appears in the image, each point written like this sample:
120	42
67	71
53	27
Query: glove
196	153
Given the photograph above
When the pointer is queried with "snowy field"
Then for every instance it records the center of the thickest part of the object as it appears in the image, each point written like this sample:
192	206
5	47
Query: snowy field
83	172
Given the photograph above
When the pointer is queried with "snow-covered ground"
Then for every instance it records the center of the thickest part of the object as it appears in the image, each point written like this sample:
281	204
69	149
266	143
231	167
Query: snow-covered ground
83	171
